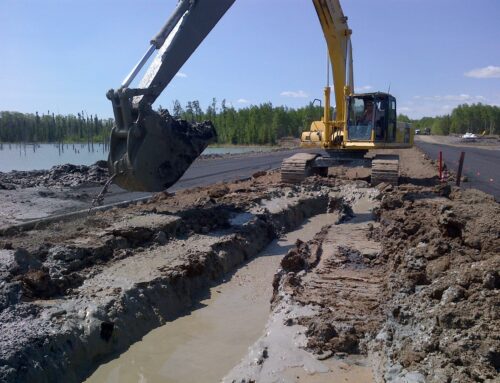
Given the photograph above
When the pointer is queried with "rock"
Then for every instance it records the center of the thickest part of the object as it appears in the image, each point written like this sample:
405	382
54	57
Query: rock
160	238
218	192
25	261
259	174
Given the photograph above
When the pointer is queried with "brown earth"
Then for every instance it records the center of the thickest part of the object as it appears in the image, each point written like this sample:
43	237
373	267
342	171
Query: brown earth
73	293
414	286
443	253
417	291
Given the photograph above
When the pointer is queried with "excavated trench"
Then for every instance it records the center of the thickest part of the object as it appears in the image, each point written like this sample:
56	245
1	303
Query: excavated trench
75	301
205	344
406	292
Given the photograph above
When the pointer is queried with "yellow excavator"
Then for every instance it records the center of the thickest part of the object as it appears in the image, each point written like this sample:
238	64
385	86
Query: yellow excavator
150	151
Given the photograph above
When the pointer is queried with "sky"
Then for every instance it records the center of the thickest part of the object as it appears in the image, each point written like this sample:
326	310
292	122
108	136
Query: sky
63	55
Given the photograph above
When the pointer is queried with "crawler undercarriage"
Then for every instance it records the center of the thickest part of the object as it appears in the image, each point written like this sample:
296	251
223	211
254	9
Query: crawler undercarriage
384	167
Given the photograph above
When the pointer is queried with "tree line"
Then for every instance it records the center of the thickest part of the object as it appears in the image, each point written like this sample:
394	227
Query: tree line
256	124
475	118
51	127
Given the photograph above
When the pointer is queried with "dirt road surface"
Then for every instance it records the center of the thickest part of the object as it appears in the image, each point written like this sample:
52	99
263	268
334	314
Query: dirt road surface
399	285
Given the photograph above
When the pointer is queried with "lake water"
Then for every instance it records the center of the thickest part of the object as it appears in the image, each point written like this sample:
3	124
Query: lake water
44	156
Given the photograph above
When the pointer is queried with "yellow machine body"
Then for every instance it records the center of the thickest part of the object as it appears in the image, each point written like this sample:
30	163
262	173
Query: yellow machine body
338	133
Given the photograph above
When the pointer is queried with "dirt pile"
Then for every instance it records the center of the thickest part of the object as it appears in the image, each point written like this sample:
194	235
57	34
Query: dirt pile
414	287
58	176
443	253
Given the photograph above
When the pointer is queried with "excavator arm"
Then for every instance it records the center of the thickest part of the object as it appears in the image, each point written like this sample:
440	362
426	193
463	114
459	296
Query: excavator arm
150	151
338	39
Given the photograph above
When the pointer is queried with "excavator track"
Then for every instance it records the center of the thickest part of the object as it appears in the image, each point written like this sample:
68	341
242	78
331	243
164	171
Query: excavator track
297	168
385	168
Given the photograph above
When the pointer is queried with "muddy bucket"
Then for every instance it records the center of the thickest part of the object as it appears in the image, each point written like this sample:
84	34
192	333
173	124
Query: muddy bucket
156	151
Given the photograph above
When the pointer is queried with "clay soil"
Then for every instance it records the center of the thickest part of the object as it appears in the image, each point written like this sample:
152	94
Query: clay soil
416	290
406	277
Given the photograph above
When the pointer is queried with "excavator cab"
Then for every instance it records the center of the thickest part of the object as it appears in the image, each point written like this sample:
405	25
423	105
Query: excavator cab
371	117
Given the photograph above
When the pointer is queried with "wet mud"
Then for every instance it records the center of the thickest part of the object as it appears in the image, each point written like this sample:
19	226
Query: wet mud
409	285
324	304
74	294
205	344
402	287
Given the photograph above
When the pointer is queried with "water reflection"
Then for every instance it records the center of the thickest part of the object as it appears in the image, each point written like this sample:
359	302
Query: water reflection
36	156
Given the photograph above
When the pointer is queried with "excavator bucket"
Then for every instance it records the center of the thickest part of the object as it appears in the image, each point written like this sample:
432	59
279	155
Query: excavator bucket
156	151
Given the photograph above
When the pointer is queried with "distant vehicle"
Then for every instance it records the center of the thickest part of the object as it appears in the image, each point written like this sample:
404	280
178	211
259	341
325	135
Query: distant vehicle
427	131
469	137
417	131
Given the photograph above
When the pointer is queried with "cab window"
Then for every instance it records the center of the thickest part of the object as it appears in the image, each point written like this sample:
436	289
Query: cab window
361	118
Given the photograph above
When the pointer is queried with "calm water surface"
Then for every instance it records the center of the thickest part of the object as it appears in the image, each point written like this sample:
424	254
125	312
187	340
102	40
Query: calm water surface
44	156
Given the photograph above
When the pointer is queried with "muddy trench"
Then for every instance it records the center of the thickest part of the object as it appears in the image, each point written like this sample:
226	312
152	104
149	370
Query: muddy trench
67	306
205	344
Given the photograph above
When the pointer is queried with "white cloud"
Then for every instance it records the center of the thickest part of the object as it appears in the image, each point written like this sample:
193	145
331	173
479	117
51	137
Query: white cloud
452	97
486	72
181	74
242	101
363	88
297	94
438	105
404	109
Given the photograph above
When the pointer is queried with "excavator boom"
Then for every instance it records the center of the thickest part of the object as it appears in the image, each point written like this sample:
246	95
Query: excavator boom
338	40
150	151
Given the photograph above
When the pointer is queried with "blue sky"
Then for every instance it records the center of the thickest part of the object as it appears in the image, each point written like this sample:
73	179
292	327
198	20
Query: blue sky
63	55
